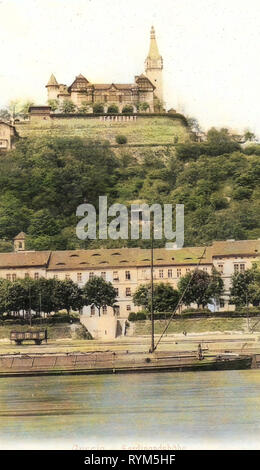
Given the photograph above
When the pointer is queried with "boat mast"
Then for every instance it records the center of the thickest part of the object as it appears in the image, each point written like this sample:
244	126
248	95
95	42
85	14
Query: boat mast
152	292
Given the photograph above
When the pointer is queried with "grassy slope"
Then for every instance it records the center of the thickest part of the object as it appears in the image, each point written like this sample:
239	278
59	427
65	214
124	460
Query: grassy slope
193	325
159	130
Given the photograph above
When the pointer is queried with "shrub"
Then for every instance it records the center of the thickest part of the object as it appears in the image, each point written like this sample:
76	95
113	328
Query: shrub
84	108
187	152
160	315
140	316
196	310
82	333
253	149
113	109
98	108
218	202
144	106
132	316
242	193
121	139
54	104
128	109
249	310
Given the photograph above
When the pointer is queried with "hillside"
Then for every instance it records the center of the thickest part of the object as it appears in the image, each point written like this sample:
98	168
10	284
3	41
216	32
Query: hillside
146	130
45	178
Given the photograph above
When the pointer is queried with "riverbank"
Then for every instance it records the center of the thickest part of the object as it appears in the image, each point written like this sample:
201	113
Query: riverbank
211	341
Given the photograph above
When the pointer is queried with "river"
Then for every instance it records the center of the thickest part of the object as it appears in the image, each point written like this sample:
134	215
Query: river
191	410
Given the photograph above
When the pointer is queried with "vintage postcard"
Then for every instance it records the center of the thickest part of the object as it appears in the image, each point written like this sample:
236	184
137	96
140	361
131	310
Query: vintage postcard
129	227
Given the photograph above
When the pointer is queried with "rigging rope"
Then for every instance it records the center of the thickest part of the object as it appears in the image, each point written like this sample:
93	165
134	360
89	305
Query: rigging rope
180	300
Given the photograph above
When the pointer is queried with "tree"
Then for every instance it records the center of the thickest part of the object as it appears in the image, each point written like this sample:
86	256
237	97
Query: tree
113	109
100	293
254	287
5	114
42	223
219	142
216	286
202	288
28	299
128	109
4	286
142	296
54	104
245	287
84	108
45	299
144	106
16	297
165	298
98	108
249	136
17	108
12	215
24	110
68	107
14	108
67	295
193	124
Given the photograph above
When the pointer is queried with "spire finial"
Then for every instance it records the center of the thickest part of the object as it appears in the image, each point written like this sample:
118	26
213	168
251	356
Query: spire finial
153	51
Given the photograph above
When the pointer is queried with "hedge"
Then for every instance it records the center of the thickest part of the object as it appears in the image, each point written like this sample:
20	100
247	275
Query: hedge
194	314
139	316
51	320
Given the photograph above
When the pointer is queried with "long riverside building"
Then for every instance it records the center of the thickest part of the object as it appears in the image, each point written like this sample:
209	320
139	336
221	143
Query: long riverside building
128	268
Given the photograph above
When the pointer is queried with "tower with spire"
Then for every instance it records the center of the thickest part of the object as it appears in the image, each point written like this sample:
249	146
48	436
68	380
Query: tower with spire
154	68
52	87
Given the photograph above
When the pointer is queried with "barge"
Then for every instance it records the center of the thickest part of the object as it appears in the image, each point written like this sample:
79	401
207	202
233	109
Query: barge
109	362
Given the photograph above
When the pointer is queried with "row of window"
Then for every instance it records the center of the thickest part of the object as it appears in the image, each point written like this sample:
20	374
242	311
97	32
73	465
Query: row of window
238	267
128	292
12	277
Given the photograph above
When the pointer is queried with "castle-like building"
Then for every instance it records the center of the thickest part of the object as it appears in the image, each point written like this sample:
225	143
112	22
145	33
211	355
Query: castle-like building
147	88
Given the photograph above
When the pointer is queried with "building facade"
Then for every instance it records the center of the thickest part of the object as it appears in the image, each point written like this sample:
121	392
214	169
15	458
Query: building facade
7	136
147	88
128	268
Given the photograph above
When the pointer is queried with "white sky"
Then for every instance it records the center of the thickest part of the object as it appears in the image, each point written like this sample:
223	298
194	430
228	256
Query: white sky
211	51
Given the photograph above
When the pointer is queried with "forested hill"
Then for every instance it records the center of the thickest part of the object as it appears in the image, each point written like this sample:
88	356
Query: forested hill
44	179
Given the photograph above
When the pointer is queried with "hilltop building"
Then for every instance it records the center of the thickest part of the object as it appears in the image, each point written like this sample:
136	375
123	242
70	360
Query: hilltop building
147	88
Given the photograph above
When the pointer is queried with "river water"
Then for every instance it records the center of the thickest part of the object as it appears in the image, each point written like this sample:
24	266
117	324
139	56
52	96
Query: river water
191	410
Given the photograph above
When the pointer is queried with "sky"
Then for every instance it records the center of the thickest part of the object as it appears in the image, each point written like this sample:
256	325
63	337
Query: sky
211	51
